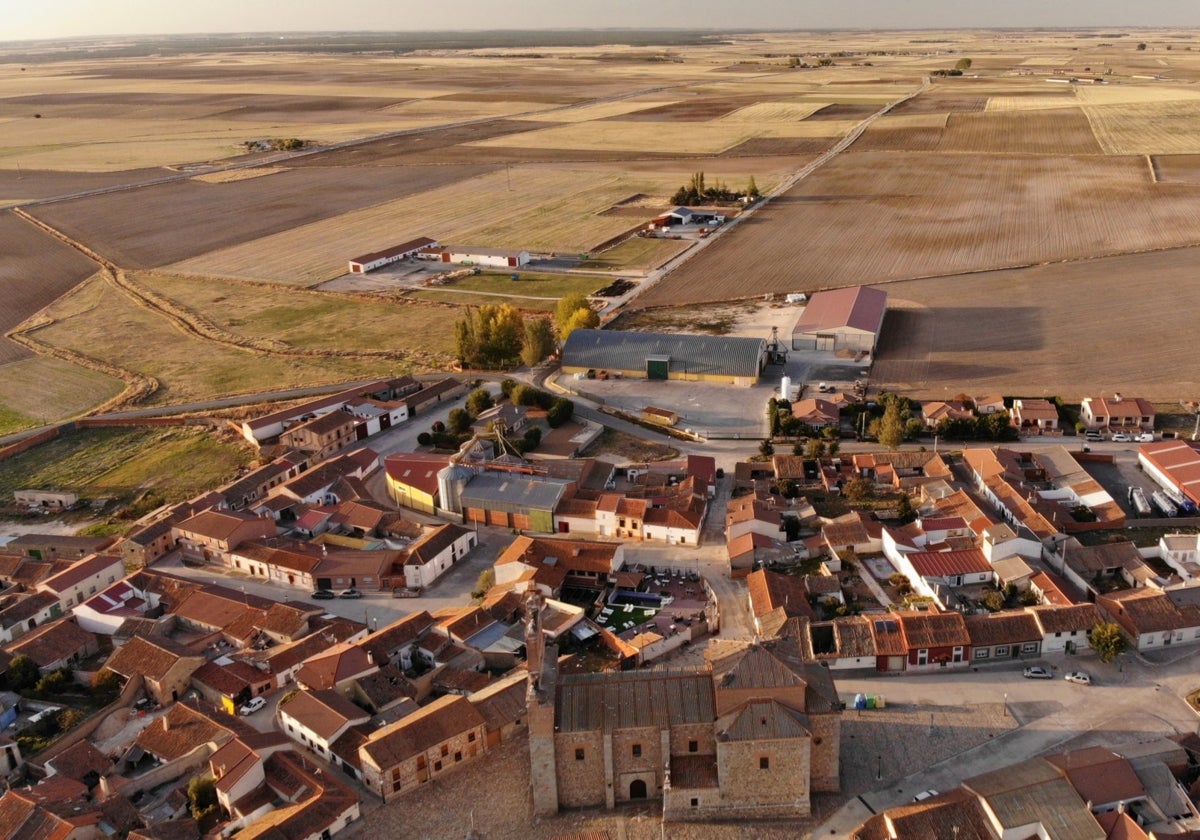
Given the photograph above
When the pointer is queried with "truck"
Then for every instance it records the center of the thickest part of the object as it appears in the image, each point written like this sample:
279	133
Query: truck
1164	504
1186	506
1137	498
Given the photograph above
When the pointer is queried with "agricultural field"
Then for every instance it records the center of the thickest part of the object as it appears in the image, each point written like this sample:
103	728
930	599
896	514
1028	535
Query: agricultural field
133	338
35	268
178	463
1035	330
38	390
872	217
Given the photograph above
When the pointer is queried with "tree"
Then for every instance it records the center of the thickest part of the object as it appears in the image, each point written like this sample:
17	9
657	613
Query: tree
1141	47
992	601
962	64
1106	640
791	527
106	685
815	449
485	581
560	411
798	448
23	673
564	313
459	420
832	448
539	341
766	448
891	427
752	188
424	439
905	512
506	387
490	337
202	795
859	489
478	401
582	319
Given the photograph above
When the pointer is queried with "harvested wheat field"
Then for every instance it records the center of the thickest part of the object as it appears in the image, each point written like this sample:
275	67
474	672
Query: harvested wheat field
164	223
188	368
35	268
869	217
1049	329
46	389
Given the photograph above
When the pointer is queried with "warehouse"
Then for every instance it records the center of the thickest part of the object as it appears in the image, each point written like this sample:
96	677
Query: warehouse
493	257
1174	464
370	262
642	355
841	320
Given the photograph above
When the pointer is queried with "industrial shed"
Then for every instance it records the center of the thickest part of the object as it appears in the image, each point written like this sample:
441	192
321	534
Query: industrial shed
494	257
696	358
841	319
369	262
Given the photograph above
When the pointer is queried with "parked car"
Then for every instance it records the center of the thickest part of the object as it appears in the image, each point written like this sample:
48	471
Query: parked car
253	706
323	595
1094	437
349	593
925	794
1037	673
1121	437
1081	677
1145	437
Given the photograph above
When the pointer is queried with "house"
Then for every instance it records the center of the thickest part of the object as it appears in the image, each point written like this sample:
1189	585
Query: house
1065	628
318	718
422	746
934	573
45	499
323	436
52	547
751	738
230	684
934	412
1150	618
57	644
377	259
1117	414
989	404
841	319
21	614
856	532
816	412
545	563
844	643
771	591
412	479
335	668
387	394
662	356
211	535
395	643
1174	464
433	555
1088	567
166	666
752	550
935	640
1035	417
996	637
1007	793
502	706
83	578
314	487
1103	779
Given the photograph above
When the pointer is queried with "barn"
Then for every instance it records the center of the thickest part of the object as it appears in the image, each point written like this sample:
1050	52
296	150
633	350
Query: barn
493	257
643	355
841	319
370	262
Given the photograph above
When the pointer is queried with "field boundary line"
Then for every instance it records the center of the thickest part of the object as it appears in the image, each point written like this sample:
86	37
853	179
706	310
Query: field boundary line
1153	167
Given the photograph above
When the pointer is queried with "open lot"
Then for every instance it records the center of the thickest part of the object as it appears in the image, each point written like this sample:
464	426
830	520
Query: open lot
42	389
100	463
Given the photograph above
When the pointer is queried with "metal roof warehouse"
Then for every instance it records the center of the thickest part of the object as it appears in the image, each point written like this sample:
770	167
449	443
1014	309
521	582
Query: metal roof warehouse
666	355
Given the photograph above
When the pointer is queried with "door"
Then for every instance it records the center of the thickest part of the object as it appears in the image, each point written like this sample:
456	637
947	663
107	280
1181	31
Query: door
637	789
657	368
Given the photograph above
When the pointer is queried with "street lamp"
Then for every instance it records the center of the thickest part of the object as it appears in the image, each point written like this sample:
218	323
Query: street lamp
878	768
1005	704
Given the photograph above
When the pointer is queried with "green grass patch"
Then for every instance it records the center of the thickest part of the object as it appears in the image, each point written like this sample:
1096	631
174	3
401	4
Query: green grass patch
13	421
532	283
620	619
638	253
468	299
120	463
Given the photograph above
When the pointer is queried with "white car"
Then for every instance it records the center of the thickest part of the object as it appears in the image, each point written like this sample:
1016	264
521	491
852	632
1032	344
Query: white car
1093	437
1145	437
1037	673
1081	677
253	706
1121	437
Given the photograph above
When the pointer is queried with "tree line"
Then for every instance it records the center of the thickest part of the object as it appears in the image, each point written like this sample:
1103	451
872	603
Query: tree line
498	337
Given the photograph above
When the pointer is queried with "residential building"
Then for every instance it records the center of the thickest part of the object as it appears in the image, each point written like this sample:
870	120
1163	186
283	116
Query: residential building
1117	413
1035	417
166	666
1001	636
323	436
210	536
434	554
84	578
318	718
57	644
412	479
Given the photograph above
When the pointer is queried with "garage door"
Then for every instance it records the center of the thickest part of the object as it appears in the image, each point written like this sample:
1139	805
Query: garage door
658	367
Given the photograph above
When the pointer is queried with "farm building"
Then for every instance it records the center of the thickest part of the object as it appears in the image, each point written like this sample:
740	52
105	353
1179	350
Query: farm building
370	262
695	358
495	257
841	319
1174	464
687	216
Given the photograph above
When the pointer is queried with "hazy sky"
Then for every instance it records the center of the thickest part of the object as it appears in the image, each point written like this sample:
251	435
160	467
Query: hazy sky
23	19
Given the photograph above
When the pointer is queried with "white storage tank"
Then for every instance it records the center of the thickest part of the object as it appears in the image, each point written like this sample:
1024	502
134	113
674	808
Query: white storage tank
785	388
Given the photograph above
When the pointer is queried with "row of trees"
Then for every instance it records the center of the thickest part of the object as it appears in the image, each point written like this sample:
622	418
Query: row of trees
696	191
496	337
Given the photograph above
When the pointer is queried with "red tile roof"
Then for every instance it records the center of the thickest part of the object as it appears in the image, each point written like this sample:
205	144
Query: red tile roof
949	563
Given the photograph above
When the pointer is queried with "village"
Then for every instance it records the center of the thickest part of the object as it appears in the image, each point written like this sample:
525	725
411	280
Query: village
421	574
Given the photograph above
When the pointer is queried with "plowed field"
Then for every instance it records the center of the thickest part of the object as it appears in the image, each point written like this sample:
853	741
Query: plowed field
869	217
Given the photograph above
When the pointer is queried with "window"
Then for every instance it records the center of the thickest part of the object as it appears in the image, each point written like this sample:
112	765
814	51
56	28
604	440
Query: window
458	756
579	753
694	746
982	653
637	750
1058	634
445	750
1002	650
437	766
470	737
1031	647
695	802
764	763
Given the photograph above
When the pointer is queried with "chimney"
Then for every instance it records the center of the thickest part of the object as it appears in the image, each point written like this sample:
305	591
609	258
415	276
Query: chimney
1116	397
166	723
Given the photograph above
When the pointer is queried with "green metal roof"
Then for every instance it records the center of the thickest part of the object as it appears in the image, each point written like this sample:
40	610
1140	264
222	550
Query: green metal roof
698	354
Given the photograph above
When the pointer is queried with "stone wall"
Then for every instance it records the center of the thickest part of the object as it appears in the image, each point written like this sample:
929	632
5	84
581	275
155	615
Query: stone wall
646	766
826	752
582	781
779	788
